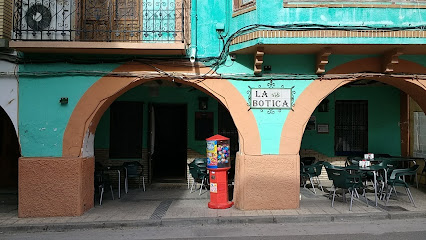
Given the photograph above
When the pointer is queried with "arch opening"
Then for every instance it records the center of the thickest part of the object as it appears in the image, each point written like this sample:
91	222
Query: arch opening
79	137
164	125
9	153
379	110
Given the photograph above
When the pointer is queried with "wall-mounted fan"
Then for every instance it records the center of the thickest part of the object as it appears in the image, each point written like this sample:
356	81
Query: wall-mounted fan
38	17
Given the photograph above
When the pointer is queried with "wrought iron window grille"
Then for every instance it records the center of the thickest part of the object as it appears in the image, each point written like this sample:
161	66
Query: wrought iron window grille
100	20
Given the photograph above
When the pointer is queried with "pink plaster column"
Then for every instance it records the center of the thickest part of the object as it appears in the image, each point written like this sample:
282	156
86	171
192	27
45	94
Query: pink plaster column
55	186
267	182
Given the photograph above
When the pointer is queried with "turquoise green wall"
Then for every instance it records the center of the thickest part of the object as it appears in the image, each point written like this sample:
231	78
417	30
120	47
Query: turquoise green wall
172	95
419	59
270	125
267	12
383	120
211	12
42	119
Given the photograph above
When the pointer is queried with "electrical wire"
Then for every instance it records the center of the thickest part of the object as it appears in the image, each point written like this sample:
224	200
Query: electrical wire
214	61
159	73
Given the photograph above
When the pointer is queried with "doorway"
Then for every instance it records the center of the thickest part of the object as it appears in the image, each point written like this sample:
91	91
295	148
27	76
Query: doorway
170	142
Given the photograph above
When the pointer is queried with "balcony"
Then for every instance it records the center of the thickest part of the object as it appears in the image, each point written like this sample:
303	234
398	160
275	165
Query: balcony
94	26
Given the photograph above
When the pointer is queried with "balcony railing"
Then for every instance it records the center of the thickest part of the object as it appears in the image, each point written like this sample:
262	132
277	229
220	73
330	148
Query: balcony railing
149	21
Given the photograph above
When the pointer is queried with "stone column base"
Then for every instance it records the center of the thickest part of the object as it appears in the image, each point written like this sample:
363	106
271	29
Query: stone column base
267	182
55	186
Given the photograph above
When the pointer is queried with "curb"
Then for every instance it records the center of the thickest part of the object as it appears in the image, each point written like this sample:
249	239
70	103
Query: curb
211	221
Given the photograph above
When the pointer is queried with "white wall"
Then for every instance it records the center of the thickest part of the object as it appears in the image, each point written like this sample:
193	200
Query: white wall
9	91
419	148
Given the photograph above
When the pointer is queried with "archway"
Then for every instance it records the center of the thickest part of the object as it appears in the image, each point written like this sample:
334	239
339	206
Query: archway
297	120
318	90
78	141
9	153
78	136
71	176
162	125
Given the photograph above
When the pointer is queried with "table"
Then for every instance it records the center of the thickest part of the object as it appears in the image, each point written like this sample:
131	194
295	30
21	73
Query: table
374	169
118	169
391	158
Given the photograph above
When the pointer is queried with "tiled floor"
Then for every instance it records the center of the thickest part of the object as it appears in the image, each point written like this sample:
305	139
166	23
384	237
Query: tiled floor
169	201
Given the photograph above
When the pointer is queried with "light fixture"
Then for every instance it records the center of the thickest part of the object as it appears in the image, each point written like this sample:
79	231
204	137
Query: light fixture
63	100
203	103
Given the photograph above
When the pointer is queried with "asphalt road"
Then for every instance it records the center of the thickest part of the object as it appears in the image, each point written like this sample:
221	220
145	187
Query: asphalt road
384	230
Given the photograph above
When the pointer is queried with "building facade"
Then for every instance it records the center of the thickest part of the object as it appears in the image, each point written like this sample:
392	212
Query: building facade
9	146
119	80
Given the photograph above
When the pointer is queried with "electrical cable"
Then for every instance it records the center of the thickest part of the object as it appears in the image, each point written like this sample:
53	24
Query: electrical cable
217	60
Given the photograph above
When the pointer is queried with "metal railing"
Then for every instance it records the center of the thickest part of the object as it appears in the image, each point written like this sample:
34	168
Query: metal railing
101	20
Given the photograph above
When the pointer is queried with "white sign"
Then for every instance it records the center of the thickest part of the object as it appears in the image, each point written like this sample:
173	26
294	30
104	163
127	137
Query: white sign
275	98
213	187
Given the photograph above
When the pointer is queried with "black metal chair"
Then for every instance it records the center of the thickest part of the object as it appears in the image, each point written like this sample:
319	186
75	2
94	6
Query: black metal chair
102	181
198	172
310	172
307	160
134	170
344	180
395	180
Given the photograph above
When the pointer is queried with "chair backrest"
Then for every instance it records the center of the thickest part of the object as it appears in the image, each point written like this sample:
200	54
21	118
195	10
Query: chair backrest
197	171
318	167
342	179
329	165
396	173
328	169
313	169
353	160
133	168
193	170
200	164
392	164
326	164
307	160
200	161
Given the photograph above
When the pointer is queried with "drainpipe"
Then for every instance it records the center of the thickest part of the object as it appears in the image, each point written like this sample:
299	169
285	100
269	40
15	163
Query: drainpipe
194	24
227	17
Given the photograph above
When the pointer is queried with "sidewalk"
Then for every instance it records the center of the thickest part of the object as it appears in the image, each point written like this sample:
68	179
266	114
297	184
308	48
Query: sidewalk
172	204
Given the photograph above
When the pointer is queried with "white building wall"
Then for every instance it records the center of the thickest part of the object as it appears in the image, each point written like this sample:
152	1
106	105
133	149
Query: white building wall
9	91
419	148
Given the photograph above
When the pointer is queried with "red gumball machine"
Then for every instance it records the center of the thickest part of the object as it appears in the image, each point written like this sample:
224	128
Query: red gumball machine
218	164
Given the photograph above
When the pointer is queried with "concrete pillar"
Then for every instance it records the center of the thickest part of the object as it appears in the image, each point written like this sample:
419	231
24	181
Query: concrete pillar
55	186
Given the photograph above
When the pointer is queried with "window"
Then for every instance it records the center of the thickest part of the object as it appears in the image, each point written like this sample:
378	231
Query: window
204	124
351	128
111	20
126	130
241	4
131	20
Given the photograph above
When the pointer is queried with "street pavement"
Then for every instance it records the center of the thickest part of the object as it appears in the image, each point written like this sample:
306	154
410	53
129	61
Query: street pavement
173	205
371	229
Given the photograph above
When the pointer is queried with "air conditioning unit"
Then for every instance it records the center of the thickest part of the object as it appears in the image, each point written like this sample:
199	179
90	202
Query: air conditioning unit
48	20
